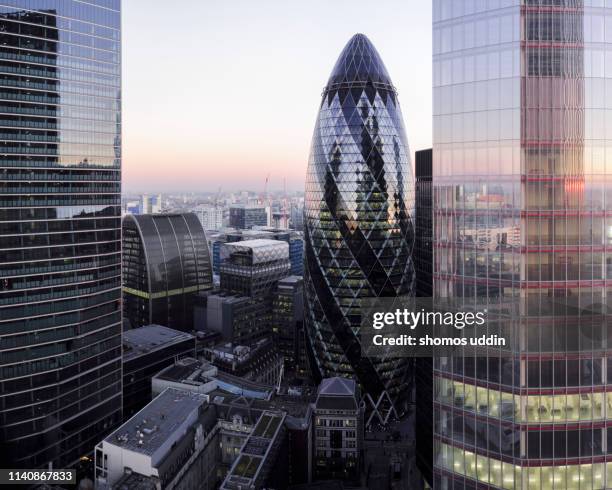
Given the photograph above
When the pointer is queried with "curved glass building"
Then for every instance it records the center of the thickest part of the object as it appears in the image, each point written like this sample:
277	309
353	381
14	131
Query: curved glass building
60	229
358	229
165	263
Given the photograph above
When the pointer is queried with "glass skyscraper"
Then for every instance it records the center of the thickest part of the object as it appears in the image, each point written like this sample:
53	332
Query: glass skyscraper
165	264
60	229
523	212
358	223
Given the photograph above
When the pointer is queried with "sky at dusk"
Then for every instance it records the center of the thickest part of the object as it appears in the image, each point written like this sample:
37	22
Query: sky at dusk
221	93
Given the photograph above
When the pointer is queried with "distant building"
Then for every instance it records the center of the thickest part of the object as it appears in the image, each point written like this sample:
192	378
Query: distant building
132	207
156	204
296	220
293	238
338	427
288	319
165	264
253	267
245	216
170	443
146	351
210	216
146	206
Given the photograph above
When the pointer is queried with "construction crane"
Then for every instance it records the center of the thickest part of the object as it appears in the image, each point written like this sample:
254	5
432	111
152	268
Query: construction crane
263	198
218	196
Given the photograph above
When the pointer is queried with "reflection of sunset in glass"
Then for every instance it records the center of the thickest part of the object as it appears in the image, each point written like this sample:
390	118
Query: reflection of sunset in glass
229	93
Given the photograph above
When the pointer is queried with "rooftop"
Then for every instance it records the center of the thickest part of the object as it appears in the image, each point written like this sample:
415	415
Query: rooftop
248	206
136	481
144	340
296	407
188	370
337	394
359	62
290	280
194	373
161	423
256	243
247	467
337	387
260	250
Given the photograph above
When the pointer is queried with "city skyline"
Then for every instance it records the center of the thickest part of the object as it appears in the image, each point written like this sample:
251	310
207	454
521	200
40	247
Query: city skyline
208	272
246	121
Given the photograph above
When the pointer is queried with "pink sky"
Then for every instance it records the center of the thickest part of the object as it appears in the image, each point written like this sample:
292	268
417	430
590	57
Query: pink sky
228	92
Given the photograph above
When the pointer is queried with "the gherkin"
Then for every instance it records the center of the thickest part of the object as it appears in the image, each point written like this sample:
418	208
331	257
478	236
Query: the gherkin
358	226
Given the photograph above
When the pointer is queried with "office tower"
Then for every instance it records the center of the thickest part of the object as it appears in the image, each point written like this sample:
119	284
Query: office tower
423	264
288	319
245	216
254	267
250	271
60	229
293	238
423	224
521	204
146	204
235	318
296	221
156	204
146	351
338	434
165	264
358	227
211	217
296	254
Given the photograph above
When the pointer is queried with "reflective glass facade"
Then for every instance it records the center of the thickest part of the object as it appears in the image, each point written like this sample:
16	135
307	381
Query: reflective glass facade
165	263
358	230
522	209
60	229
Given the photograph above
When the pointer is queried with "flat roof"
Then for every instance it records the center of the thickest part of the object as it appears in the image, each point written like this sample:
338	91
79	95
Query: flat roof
161	421
255	451
291	280
143	340
257	243
136	481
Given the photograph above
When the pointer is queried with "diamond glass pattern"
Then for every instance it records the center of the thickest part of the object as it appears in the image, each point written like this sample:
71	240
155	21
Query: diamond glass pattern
358	229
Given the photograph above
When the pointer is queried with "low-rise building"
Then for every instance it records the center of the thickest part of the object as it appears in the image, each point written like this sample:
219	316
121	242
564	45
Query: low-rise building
171	442
338	426
239	404
260	362
147	350
253	468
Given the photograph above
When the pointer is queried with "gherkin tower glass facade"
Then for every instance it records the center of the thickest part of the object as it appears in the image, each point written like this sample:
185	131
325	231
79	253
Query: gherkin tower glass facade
358	229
